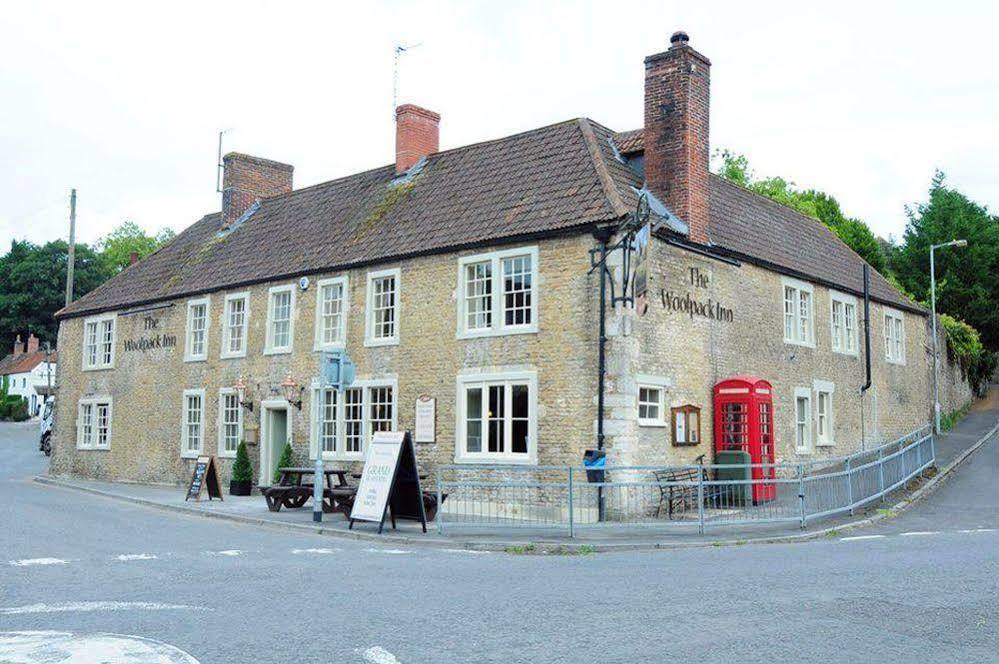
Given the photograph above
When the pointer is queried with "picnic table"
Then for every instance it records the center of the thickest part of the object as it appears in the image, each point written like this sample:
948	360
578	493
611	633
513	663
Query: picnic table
292	492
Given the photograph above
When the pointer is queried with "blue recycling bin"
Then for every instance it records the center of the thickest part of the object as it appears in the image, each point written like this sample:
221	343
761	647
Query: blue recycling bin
595	461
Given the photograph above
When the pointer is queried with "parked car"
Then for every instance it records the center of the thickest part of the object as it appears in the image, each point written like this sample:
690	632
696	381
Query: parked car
45	427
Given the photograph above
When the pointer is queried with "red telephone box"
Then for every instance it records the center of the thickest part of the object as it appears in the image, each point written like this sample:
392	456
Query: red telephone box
744	421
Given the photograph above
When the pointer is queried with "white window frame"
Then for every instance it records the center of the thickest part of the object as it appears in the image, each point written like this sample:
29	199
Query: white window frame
827	388
220	447
344	284
803	446
506	377
652	383
850	337
799	287
890	356
269	347
498	326
98	320
339	452
203	355
185	451
226	353
93	402
369	312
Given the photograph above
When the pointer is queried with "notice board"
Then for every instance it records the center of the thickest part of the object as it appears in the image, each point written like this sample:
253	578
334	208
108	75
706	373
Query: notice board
390	482
204	478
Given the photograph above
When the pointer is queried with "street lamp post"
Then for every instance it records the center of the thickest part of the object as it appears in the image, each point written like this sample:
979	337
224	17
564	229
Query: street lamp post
936	352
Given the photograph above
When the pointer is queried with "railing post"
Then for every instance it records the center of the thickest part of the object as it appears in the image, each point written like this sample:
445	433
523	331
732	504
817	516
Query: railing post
801	492
700	502
571	533
440	502
849	483
881	473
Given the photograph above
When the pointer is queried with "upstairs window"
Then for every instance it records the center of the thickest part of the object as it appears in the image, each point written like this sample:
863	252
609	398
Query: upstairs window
382	319
843	320
498	293
331	313
798	313
98	342
234	325
197	330
894	337
280	320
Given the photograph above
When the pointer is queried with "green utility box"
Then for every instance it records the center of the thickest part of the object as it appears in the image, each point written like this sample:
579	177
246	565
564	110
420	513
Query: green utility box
739	469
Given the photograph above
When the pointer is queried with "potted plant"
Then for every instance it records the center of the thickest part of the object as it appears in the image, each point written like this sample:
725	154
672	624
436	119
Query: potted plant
241	483
287	459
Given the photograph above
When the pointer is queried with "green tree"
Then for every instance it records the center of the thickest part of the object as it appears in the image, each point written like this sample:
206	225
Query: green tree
967	277
813	203
117	246
33	287
241	469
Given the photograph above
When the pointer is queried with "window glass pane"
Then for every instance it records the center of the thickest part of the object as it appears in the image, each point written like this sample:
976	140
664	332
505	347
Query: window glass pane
86	424
473	419
230	421
196	319
103	425
281	319
91	349
789	299
495	416
648	403
328	416
332	311
479	295
517	290
381	409
193	423
383	307
353	415
107	345
235	319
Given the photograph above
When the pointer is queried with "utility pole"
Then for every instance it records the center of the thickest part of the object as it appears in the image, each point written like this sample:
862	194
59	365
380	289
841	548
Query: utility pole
71	261
48	370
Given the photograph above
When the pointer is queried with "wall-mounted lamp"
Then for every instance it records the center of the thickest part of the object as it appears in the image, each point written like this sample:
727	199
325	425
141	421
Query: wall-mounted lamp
291	390
240	387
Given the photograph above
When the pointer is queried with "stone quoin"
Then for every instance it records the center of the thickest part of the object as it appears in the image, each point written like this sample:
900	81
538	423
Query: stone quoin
462	276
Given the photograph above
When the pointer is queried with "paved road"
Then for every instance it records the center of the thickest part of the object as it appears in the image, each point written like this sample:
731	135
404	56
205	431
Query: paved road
84	565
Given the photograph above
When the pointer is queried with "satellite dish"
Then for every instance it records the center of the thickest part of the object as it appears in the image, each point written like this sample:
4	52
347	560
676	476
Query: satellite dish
303	283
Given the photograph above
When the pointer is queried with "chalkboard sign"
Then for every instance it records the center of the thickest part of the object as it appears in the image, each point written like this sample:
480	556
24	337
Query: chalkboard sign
390	482
205	477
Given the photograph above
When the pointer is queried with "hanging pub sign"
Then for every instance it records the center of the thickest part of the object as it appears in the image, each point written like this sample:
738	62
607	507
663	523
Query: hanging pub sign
426	419
390	482
204	478
640	278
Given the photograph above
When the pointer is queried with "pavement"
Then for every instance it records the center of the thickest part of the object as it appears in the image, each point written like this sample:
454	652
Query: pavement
86	575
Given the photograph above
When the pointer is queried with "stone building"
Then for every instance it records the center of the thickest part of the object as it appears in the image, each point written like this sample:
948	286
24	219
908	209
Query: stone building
461	279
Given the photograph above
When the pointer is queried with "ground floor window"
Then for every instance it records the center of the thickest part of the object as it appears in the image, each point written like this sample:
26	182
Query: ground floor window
344	420
94	424
193	424
824	428
803	421
497	418
650	406
230	421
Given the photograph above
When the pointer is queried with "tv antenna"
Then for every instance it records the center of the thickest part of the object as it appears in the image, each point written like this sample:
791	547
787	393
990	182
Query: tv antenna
400	49
219	166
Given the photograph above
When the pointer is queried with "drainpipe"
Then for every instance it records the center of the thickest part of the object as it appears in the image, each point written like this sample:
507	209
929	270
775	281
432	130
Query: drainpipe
602	235
867	350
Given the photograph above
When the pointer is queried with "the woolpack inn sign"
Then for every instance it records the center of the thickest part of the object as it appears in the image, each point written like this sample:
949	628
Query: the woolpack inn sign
461	277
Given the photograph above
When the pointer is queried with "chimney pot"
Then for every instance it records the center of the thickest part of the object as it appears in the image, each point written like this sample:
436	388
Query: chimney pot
32	343
133	258
679	38
247	179
417	134
18	346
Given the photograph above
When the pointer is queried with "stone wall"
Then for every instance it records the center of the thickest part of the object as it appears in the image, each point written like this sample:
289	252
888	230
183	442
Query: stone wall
147	385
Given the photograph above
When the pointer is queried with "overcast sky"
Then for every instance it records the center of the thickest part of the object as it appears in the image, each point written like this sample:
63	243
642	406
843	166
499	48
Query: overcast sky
124	101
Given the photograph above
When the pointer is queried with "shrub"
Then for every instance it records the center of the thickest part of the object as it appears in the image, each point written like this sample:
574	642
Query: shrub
241	469
287	459
965	344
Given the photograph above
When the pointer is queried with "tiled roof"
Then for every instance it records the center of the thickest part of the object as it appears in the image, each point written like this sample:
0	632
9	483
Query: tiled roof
758	229
24	362
539	182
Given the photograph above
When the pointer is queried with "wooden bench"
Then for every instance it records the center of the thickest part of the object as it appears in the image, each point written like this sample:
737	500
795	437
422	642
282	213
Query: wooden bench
677	496
284	495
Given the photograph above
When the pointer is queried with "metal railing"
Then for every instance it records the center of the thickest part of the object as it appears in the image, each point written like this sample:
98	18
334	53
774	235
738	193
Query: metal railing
677	497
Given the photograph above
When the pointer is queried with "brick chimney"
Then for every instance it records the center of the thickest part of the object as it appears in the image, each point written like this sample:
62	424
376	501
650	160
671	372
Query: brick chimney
133	258
32	343
247	179
677	99
417	134
18	346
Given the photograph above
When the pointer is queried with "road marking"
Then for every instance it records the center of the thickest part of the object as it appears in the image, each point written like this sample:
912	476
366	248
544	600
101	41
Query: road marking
320	551
38	561
396	552
51	647
919	533
137	556
85	607
378	655
472	551
857	538
978	530
227	552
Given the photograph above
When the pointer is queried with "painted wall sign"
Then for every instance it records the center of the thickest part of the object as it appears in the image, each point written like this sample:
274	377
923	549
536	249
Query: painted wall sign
151	341
426	419
687	303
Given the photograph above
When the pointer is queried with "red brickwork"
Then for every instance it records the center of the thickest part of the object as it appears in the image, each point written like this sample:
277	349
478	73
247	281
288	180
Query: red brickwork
677	96
248	178
417	134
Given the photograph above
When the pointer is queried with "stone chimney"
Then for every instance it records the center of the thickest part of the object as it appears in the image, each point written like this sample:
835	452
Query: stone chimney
247	179
677	100
417	134
32	343
18	346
